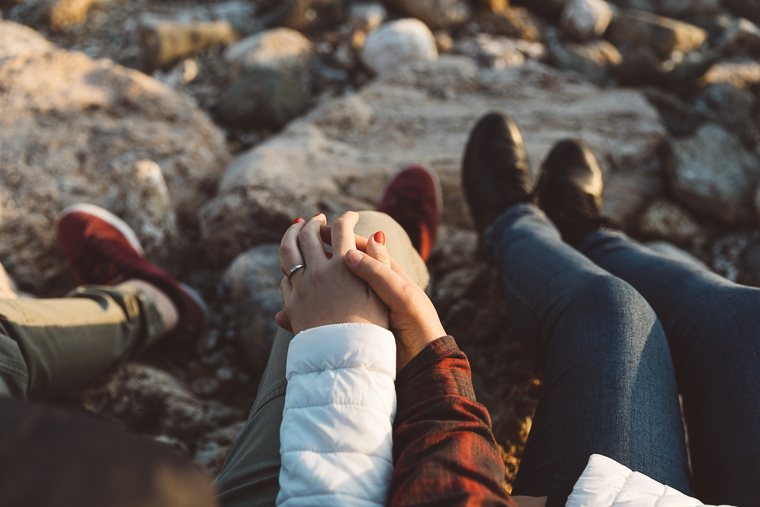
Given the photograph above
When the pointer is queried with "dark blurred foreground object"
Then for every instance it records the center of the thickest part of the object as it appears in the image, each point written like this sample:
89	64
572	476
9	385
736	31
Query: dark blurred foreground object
52	458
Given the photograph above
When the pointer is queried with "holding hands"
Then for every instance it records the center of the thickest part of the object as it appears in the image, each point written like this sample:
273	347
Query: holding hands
358	282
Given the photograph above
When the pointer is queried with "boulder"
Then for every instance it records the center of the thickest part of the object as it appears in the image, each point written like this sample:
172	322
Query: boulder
499	52
436	13
492	51
515	22
303	15
633	28
741	38
213	448
367	16
152	402
586	19
663	219
493	5
252	282
273	83
741	73
731	107
593	59
78	136
166	42
681	118
64	13
744	8
338	156
148	208
675	8
398	42
551	9
713	174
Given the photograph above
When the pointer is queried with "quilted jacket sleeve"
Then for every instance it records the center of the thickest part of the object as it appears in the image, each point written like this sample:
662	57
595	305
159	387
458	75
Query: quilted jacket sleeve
336	435
607	483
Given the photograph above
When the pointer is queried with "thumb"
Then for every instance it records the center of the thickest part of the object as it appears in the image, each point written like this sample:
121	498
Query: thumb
387	284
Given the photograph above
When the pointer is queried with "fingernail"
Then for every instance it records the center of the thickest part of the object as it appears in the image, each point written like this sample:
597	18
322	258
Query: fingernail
354	257
380	237
315	216
297	220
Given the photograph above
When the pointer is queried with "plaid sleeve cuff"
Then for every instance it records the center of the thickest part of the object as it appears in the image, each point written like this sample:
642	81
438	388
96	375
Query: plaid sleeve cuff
441	369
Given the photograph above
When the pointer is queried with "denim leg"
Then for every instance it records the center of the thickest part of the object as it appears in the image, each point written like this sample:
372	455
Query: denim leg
609	386
713	327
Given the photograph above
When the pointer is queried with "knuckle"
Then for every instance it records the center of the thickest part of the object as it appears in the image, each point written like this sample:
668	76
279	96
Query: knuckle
286	250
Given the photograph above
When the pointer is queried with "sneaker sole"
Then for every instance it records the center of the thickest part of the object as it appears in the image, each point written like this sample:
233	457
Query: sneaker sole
106	216
433	176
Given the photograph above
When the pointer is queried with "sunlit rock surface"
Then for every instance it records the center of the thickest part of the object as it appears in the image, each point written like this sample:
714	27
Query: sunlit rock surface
338	157
72	129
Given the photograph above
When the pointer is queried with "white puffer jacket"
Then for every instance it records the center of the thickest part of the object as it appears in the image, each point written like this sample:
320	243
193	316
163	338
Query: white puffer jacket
336	435
336	440
607	483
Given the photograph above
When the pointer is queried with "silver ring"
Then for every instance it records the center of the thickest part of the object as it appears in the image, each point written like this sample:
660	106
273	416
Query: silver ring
294	269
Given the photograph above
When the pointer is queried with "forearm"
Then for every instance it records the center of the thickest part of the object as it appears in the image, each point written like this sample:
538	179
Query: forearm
444	449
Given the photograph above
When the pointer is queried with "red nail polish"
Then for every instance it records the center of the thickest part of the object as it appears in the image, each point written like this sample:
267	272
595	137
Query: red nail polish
315	216
380	237
297	220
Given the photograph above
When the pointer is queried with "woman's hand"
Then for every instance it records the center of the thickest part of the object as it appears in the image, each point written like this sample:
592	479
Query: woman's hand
325	291
413	318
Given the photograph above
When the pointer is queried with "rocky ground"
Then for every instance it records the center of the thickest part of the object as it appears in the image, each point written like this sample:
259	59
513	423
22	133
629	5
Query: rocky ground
259	111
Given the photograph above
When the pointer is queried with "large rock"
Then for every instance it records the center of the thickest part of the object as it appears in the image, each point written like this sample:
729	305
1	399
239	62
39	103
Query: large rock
675	8
64	13
586	19
166	42
665	220
713	174
515	22
492	51
398	42
273	83
731	107
551	9
594	59
741	38
303	15
741	73
214	447
253	284
367	16
633	28
436	13
338	157
150	401
77	135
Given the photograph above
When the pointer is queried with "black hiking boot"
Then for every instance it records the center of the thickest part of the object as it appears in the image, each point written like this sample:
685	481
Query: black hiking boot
495	169
569	190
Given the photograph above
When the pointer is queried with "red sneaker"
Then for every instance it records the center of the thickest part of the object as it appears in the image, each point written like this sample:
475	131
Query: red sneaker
103	250
412	197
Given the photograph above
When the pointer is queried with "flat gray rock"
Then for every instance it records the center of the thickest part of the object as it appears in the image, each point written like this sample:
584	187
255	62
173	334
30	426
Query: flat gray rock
338	157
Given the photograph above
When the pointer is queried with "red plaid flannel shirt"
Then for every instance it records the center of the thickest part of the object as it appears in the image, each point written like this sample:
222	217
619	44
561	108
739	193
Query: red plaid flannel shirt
444	451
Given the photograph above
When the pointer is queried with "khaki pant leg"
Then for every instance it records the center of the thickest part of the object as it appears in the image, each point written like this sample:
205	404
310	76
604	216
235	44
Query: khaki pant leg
250	476
65	343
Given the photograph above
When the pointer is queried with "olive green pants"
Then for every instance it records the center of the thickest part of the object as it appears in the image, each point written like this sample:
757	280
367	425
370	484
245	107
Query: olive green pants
250	476
49	346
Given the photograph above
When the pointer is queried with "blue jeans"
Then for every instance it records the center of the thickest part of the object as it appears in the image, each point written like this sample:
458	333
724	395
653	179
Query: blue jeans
620	330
